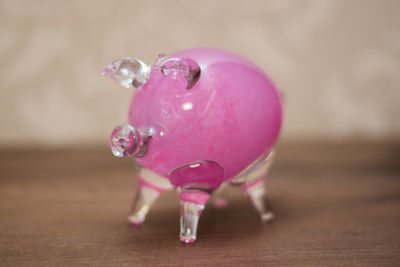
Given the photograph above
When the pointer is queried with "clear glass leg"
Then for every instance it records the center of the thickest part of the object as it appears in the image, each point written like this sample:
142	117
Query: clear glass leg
192	204
145	198
251	181
255	191
150	187
219	201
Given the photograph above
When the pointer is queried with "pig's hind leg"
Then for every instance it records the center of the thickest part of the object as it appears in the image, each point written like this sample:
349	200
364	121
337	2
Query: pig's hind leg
252	184
218	200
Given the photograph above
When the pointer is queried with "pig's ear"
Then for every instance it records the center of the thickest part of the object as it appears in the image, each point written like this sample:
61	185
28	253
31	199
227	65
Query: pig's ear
128	72
177	67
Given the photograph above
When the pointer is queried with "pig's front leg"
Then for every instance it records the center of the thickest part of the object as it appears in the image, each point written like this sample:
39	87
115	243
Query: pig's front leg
150	187
191	205
195	182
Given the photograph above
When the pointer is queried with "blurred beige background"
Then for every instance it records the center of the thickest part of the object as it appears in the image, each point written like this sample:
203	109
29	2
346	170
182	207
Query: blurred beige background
337	61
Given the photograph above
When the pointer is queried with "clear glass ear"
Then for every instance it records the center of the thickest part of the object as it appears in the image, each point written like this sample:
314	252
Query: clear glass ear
179	66
128	72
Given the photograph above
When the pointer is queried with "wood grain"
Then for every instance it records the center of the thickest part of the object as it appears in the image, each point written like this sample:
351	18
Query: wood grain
335	205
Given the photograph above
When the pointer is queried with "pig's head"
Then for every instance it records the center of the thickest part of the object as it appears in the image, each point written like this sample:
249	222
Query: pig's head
158	91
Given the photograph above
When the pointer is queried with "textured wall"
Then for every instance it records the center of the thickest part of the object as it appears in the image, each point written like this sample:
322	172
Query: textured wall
337	61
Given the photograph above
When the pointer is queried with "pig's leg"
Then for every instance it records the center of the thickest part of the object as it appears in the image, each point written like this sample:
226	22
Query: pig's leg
256	193
218	201
150	187
254	189
195	181
191	205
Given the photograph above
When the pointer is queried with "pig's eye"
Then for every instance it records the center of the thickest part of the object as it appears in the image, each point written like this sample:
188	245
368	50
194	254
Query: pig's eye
128	72
175	67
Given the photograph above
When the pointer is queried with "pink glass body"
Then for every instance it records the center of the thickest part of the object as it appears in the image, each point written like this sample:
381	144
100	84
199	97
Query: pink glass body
230	118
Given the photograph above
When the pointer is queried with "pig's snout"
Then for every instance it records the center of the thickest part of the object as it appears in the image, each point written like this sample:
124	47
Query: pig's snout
127	141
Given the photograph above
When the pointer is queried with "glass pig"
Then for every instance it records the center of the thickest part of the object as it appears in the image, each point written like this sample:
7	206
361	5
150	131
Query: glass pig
198	119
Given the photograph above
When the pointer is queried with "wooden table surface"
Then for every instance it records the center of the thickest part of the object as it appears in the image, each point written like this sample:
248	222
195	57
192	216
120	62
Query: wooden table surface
335	205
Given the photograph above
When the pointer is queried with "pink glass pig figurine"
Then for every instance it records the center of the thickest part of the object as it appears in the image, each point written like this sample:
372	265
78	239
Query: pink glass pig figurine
199	119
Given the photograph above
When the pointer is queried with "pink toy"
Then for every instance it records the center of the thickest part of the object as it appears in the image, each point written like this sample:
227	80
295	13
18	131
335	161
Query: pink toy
199	119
